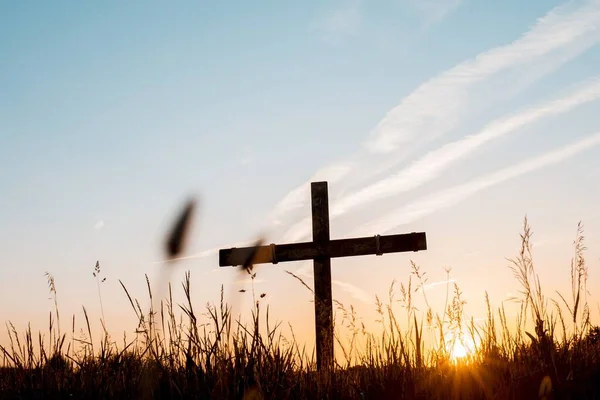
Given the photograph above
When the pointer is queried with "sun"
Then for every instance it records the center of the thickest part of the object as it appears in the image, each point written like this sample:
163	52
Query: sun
460	348
459	351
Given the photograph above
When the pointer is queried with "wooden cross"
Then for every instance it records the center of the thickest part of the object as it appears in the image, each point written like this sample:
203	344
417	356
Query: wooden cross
321	250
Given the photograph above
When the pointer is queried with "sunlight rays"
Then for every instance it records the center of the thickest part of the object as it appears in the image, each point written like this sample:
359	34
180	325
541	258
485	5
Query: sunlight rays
461	347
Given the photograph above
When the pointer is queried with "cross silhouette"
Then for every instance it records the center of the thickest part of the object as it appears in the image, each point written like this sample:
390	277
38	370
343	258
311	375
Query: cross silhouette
321	250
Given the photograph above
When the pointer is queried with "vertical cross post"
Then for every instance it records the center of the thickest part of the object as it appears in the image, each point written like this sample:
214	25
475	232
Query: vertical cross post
322	276
321	250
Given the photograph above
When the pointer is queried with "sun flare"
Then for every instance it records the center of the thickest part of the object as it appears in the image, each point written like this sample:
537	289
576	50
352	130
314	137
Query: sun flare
458	351
461	348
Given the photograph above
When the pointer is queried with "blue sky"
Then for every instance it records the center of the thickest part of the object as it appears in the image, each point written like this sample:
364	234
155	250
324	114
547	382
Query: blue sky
452	117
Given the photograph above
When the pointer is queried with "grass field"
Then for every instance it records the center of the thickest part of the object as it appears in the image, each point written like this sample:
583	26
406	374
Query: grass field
179	353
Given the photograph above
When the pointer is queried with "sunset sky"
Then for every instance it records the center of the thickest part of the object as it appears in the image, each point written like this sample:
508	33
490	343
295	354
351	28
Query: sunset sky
455	118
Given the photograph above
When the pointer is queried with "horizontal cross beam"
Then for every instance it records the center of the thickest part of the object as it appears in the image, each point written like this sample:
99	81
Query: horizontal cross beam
334	249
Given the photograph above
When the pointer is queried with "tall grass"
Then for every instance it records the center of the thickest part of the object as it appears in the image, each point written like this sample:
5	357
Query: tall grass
178	353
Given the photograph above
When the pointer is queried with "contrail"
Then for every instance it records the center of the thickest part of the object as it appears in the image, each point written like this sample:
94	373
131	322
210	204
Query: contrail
437	161
454	195
438	106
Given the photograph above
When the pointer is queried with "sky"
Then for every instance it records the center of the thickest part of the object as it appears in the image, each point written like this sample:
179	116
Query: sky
457	118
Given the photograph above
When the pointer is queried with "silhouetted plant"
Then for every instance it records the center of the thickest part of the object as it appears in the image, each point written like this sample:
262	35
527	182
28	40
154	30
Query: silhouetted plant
182	352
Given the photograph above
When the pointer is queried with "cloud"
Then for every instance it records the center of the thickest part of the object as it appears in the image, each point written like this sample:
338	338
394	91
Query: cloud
437	161
454	195
299	231
431	285
434	163
211	252
305	270
99	224
300	196
295	199
343	19
435	10
438	105
354	291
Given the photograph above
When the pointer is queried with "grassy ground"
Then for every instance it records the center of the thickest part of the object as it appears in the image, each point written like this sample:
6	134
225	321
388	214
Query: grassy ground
554	352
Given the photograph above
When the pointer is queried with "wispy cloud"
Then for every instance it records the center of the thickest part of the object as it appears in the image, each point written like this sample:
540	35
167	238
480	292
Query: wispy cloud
437	161
434	10
199	255
99	224
298	231
211	252
434	163
438	105
343	18
305	270
300	196
354	291
454	195
432	285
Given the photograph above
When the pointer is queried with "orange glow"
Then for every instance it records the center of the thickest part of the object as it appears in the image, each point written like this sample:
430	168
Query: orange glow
461	347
